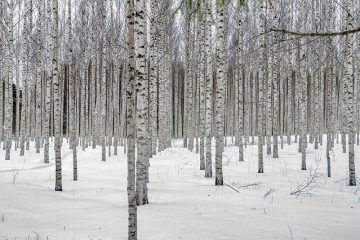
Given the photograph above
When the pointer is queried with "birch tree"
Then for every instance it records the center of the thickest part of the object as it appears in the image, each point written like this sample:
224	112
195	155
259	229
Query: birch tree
130	119
56	84
303	84
220	93
209	91
48	79
141	102
9	38
261	77
349	91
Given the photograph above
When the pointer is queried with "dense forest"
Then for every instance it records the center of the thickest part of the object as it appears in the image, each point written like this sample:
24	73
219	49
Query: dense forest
129	77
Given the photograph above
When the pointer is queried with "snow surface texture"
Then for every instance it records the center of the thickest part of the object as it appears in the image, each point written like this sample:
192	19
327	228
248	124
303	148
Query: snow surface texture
183	204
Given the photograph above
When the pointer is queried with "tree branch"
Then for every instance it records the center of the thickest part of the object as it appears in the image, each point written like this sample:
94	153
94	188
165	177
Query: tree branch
316	34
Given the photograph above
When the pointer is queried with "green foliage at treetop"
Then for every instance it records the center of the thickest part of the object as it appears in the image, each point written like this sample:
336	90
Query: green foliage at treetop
197	7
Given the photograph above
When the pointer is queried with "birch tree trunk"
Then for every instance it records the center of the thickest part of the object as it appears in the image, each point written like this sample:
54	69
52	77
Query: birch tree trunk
349	90
241	81
220	93
73	143
38	79
25	75
262	75
28	90
202	82
56	84
141	102
103	82
330	90
9	38
275	81
130	119
48	77
153	76
303	86
209	91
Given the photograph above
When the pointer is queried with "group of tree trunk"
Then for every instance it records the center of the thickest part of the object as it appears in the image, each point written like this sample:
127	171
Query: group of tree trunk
137	74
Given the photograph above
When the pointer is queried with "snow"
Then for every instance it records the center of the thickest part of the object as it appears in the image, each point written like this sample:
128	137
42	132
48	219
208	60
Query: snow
183	204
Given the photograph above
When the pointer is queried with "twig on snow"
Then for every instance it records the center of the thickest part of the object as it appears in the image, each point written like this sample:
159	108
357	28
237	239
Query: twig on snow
15	174
309	185
249	185
271	191
340	180
291	234
231	188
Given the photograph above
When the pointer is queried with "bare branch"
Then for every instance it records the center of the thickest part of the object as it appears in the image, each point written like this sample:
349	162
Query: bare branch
308	186
252	184
316	34
232	188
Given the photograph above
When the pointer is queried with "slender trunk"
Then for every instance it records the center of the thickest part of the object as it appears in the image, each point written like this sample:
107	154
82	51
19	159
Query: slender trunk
130	119
261	90
220	95
349	91
209	90
57	94
141	102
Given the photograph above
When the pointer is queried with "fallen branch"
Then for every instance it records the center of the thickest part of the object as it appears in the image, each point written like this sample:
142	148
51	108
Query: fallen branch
15	174
249	185
309	185
271	191
231	188
341	180
291	234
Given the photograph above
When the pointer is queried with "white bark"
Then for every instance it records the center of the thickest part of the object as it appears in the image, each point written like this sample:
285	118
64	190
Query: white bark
130	119
209	91
141	102
220	93
349	103
57	94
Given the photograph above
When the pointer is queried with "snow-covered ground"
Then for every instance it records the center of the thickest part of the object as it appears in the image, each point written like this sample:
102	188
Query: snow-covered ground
183	204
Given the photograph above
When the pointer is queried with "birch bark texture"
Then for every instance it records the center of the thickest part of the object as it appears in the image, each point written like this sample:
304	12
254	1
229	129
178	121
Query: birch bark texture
130	122
141	102
209	91
57	94
349	91
220	92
